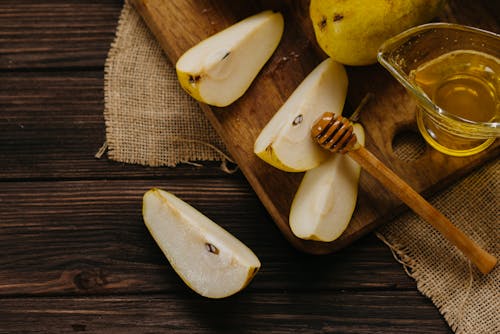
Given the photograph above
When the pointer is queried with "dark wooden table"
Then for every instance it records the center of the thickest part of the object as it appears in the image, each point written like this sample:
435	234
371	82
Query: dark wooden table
74	252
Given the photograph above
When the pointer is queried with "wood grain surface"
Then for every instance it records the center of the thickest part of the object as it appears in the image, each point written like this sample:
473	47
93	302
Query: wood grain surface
181	24
187	313
74	253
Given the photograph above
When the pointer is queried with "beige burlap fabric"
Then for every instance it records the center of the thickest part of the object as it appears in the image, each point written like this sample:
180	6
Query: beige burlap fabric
149	118
468	300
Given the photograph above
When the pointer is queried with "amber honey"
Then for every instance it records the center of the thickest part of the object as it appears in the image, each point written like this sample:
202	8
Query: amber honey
464	83
453	73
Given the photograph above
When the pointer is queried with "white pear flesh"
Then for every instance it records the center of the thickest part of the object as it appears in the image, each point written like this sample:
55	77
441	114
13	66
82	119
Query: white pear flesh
326	198
285	142
210	260
218	70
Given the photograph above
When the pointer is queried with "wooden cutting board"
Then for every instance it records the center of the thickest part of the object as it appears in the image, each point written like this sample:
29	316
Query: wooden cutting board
388	117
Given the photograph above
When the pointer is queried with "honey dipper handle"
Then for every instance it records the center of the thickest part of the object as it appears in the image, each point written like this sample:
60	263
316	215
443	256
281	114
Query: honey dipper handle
484	261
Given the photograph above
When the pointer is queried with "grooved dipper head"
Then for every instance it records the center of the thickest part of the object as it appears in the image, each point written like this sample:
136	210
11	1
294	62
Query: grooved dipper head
334	133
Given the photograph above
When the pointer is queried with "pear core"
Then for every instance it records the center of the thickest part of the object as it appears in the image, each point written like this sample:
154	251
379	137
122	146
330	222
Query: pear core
285	142
208	259
219	69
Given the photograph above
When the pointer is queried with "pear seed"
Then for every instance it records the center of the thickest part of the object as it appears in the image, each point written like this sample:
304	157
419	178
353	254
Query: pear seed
211	248
194	79
298	120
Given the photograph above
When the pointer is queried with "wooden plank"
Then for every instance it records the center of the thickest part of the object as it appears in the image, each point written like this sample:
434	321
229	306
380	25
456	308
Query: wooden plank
341	312
71	33
52	120
87	237
56	34
180	25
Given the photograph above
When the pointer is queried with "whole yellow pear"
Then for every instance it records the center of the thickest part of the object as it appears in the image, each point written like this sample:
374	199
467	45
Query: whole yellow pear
351	31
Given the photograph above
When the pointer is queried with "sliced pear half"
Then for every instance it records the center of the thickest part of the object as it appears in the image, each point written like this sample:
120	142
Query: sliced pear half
325	200
209	259
285	142
219	69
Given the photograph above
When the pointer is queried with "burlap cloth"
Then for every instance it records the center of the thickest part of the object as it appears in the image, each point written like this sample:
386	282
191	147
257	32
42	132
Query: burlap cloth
151	121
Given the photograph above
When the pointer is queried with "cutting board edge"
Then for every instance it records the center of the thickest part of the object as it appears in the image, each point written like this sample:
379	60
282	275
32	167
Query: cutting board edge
313	247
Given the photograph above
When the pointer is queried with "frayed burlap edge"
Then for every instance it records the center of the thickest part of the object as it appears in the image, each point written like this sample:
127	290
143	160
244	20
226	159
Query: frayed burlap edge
468	281
149	119
400	254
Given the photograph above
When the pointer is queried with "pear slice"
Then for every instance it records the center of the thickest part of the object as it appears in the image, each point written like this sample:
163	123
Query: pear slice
325	200
285	142
219	69
209	259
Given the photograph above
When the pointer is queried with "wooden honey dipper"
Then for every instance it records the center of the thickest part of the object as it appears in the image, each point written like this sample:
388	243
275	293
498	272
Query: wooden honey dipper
336	135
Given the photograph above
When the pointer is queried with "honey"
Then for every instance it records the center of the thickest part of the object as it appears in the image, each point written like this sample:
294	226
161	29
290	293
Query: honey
452	71
464	83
